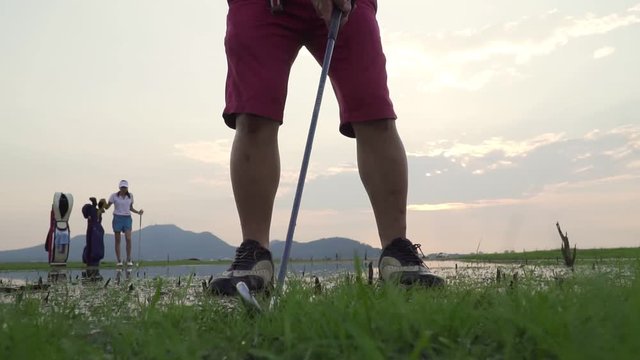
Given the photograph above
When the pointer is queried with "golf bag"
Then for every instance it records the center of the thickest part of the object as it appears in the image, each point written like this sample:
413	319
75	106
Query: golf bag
59	235
94	247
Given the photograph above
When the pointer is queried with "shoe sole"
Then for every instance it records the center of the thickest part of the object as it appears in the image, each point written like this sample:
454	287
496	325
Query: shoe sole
412	278
227	286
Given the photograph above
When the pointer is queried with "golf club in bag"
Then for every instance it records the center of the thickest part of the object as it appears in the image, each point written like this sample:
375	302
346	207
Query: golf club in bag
334	26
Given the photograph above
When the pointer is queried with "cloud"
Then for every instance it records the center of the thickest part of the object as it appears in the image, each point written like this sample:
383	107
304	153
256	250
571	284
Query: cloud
446	174
470	59
211	182
523	51
562	189
603	52
290	176
634	164
463	206
451	175
583	169
341	169
512	25
335	186
216	152
463	153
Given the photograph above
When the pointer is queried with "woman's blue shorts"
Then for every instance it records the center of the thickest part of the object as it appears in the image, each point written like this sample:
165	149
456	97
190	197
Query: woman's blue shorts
122	223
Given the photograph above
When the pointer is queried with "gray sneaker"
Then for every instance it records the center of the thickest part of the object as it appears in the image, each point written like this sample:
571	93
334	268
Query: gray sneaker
401	263
253	265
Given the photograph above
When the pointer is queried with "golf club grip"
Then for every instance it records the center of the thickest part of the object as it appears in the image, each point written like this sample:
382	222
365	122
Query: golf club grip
326	63
334	26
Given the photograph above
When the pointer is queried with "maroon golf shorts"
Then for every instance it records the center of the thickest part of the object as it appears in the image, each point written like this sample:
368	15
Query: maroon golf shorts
261	48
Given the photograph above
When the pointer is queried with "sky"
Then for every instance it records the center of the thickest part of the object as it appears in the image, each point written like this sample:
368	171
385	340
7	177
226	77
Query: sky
514	116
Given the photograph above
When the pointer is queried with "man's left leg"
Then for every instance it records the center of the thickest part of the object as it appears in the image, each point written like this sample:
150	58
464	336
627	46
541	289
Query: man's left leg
382	163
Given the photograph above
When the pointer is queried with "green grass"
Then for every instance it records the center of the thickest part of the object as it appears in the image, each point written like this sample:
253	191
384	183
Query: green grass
553	255
586	315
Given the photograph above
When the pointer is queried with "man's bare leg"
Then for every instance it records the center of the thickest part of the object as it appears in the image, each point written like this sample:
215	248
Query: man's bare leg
382	163
255	174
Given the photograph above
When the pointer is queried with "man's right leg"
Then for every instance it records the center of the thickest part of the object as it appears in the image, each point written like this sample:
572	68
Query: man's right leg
260	49
255	174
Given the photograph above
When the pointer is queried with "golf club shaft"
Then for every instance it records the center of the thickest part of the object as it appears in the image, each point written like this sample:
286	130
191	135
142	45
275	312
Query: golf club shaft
140	241
334	26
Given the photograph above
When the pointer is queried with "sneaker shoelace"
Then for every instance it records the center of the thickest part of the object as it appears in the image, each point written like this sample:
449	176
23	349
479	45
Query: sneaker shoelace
245	256
406	252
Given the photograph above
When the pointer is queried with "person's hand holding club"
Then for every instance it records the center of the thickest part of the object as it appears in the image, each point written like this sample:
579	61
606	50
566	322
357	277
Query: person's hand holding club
324	8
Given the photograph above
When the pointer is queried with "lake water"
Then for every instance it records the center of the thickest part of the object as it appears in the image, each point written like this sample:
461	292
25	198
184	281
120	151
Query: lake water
450	270
316	268
143	282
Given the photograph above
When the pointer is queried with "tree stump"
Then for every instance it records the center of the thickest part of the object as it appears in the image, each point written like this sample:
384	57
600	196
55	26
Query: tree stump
567	254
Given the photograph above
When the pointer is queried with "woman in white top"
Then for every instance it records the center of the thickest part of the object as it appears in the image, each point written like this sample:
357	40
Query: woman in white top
122	222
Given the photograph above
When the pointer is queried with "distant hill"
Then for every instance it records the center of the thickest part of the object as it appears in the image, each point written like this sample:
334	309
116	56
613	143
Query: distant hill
160	242
327	248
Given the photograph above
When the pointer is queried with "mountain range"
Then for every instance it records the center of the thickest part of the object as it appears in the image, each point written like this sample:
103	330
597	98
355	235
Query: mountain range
169	242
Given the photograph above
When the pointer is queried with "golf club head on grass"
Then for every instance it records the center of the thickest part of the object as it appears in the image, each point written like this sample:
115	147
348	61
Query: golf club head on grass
273	303
246	296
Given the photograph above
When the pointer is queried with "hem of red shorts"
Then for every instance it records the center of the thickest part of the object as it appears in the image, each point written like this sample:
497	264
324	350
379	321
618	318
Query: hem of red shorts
346	128
230	117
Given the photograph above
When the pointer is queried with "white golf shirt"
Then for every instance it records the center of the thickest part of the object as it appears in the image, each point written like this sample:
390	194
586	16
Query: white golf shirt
121	205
